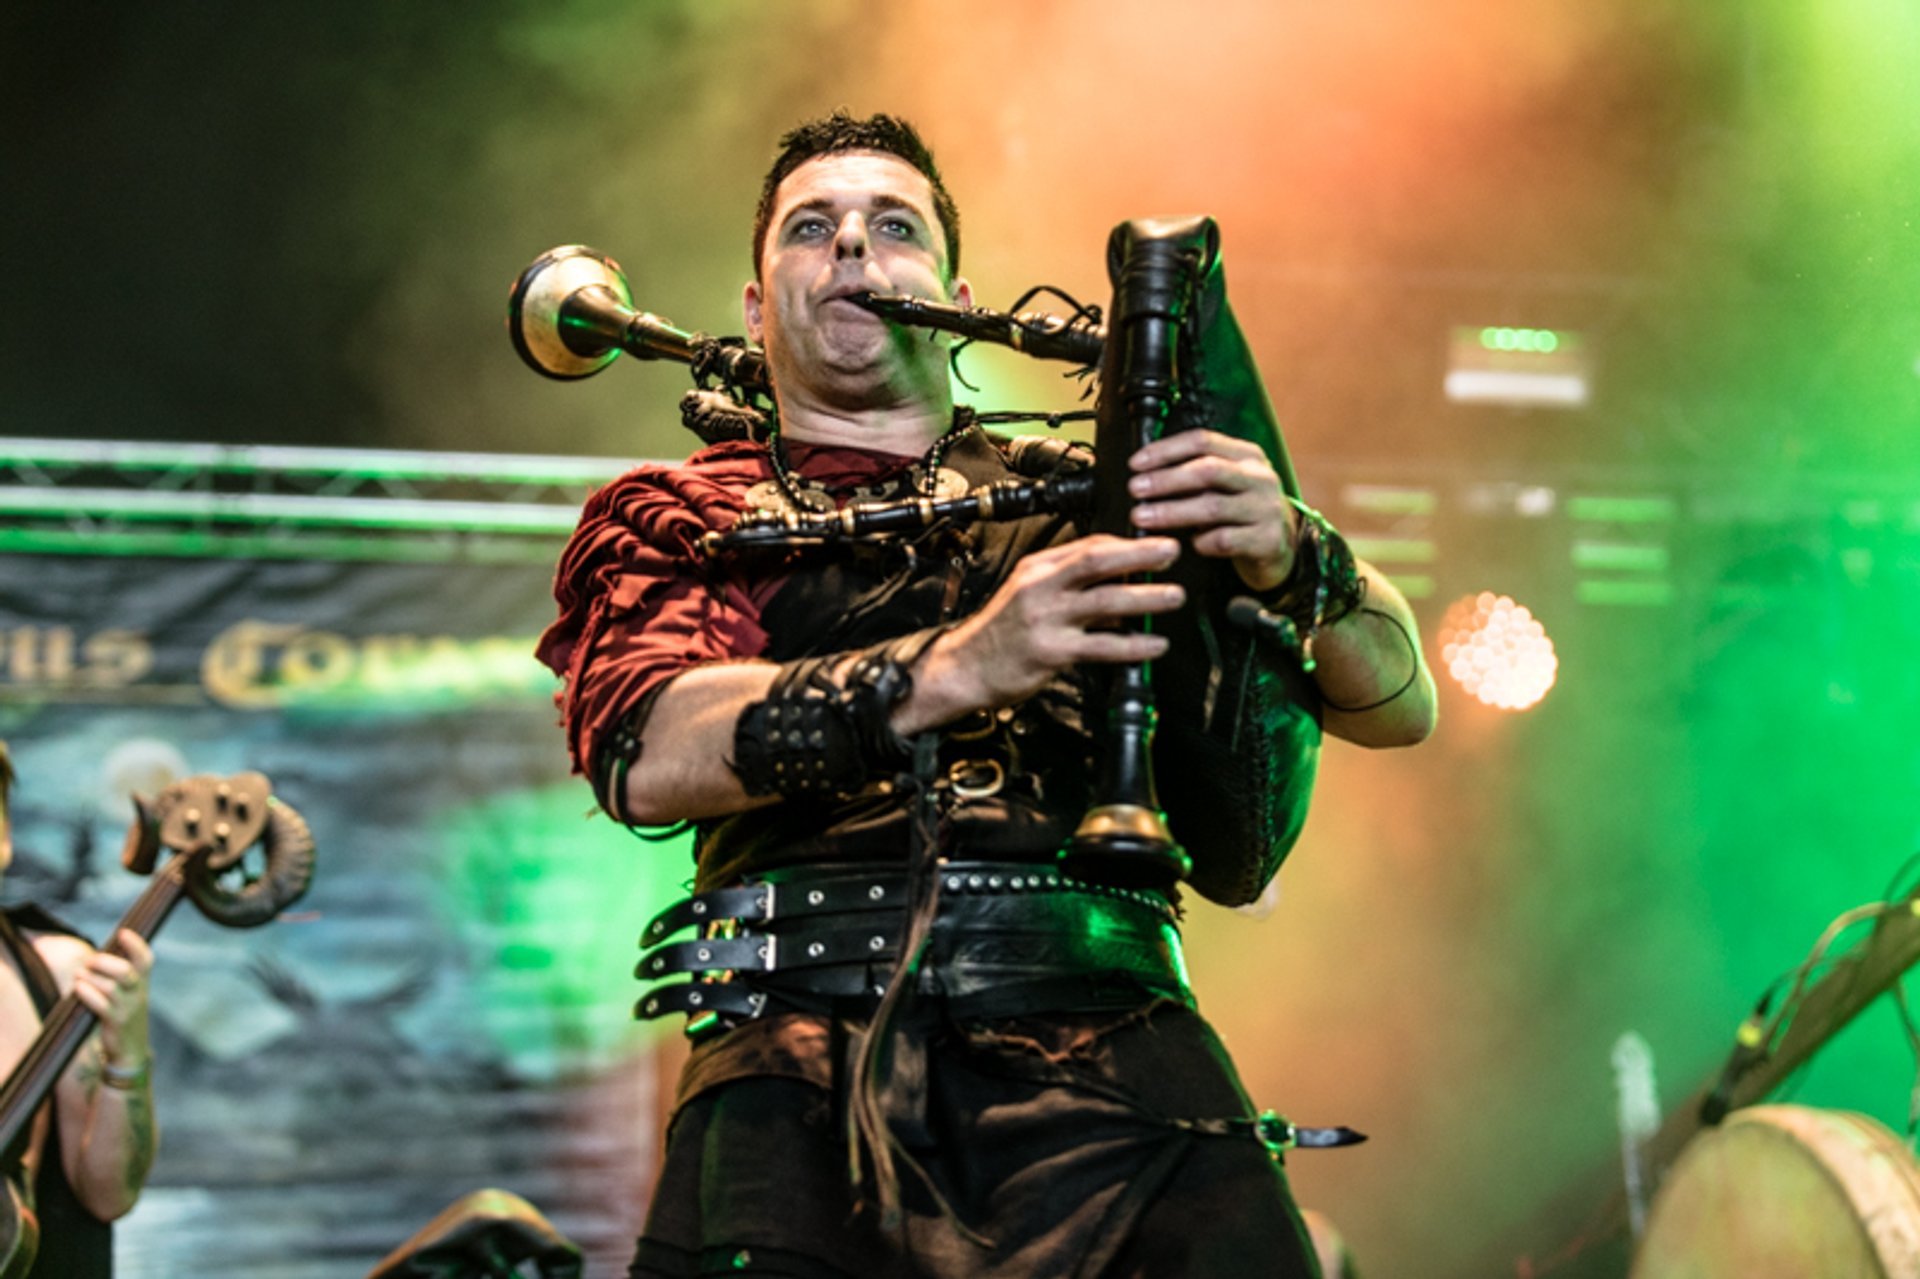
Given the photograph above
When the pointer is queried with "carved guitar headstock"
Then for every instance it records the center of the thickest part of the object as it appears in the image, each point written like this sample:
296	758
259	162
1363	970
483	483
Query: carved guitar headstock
213	822
221	817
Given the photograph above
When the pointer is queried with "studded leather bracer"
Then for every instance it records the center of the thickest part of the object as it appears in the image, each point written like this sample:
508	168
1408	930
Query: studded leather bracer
821	734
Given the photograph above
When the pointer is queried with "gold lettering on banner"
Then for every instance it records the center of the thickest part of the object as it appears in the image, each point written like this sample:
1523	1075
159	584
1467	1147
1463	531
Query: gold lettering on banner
385	659
316	659
234	667
54	657
23	655
259	665
114	658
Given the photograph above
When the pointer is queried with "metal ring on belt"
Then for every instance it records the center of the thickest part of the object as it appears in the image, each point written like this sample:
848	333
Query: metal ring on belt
1009	937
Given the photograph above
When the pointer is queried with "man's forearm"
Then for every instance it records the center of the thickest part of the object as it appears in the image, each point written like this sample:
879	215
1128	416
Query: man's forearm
684	767
1371	659
1058	607
117	1138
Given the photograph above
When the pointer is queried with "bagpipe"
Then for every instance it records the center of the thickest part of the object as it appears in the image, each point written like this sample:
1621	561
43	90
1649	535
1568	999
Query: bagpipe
1168	356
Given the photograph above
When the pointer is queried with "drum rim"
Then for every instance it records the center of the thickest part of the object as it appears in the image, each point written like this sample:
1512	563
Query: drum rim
1835	1141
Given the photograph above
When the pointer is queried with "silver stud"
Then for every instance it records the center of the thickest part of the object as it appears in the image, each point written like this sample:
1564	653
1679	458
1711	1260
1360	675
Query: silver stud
953	883
705	953
815	897
974	882
816	949
994	883
653	1005
876	893
876	943
1016	883
695	998
699	908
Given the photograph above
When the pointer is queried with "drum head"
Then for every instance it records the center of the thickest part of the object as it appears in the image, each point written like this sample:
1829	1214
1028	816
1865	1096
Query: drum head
1784	1192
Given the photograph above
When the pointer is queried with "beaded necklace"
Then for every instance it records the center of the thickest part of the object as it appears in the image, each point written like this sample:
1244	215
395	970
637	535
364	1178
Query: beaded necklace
802	496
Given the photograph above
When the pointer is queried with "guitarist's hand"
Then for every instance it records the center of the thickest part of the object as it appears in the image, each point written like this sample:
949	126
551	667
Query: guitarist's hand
114	987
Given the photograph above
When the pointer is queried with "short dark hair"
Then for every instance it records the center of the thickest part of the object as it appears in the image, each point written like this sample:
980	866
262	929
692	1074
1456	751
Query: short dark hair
830	134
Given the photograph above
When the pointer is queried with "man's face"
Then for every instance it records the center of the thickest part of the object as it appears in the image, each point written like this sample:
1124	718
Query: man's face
850	222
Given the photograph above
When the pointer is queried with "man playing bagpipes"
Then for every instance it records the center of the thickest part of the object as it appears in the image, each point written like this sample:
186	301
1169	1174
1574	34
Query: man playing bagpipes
922	1045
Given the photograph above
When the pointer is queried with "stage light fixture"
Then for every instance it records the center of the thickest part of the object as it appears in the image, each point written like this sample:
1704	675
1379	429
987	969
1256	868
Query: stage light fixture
1524	367
1497	650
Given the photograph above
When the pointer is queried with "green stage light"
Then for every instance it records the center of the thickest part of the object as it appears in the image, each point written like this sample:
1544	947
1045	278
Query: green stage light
1536	341
1506	364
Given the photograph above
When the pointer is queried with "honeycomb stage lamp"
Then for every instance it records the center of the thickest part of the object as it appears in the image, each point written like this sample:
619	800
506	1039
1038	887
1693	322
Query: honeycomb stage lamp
1497	650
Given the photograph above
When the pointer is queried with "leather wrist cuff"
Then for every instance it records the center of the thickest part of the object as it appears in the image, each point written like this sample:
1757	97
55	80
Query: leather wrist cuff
1324	584
817	735
124	1080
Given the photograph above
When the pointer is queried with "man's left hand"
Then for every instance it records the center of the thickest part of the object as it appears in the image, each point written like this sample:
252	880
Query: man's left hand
114	987
1223	493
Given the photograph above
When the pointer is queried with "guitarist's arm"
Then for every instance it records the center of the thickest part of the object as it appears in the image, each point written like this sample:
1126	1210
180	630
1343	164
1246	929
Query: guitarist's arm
105	1097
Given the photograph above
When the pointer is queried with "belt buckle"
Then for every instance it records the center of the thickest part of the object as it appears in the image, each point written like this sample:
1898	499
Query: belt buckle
973	728
961	775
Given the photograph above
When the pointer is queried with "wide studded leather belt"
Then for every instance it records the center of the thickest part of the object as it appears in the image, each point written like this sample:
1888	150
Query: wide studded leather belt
1009	938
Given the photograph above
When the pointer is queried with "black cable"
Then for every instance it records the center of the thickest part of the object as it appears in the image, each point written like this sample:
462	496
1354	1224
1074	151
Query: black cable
1054	420
1894	892
1413	651
1083	313
1913	1043
1759	1033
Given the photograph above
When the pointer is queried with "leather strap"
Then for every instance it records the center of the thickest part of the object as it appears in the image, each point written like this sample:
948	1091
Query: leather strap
770	952
765	902
1008	939
696	998
839	890
1276	1132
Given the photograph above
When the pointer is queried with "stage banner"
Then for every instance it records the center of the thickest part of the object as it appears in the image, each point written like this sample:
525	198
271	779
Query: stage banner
450	1006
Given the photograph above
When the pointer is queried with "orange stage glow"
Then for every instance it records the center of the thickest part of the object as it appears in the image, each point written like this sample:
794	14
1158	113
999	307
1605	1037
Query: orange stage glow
1498	651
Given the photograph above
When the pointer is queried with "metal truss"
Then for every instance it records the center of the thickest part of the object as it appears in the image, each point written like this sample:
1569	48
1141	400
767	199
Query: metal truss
1616	536
112	497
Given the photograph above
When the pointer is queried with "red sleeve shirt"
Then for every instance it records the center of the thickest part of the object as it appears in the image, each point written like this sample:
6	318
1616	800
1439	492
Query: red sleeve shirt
639	603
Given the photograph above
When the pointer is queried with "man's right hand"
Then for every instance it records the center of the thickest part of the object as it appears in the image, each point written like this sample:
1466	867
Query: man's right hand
1059	607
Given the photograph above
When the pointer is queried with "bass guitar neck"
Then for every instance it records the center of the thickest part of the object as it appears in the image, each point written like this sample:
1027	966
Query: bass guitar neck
70	1022
210	823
